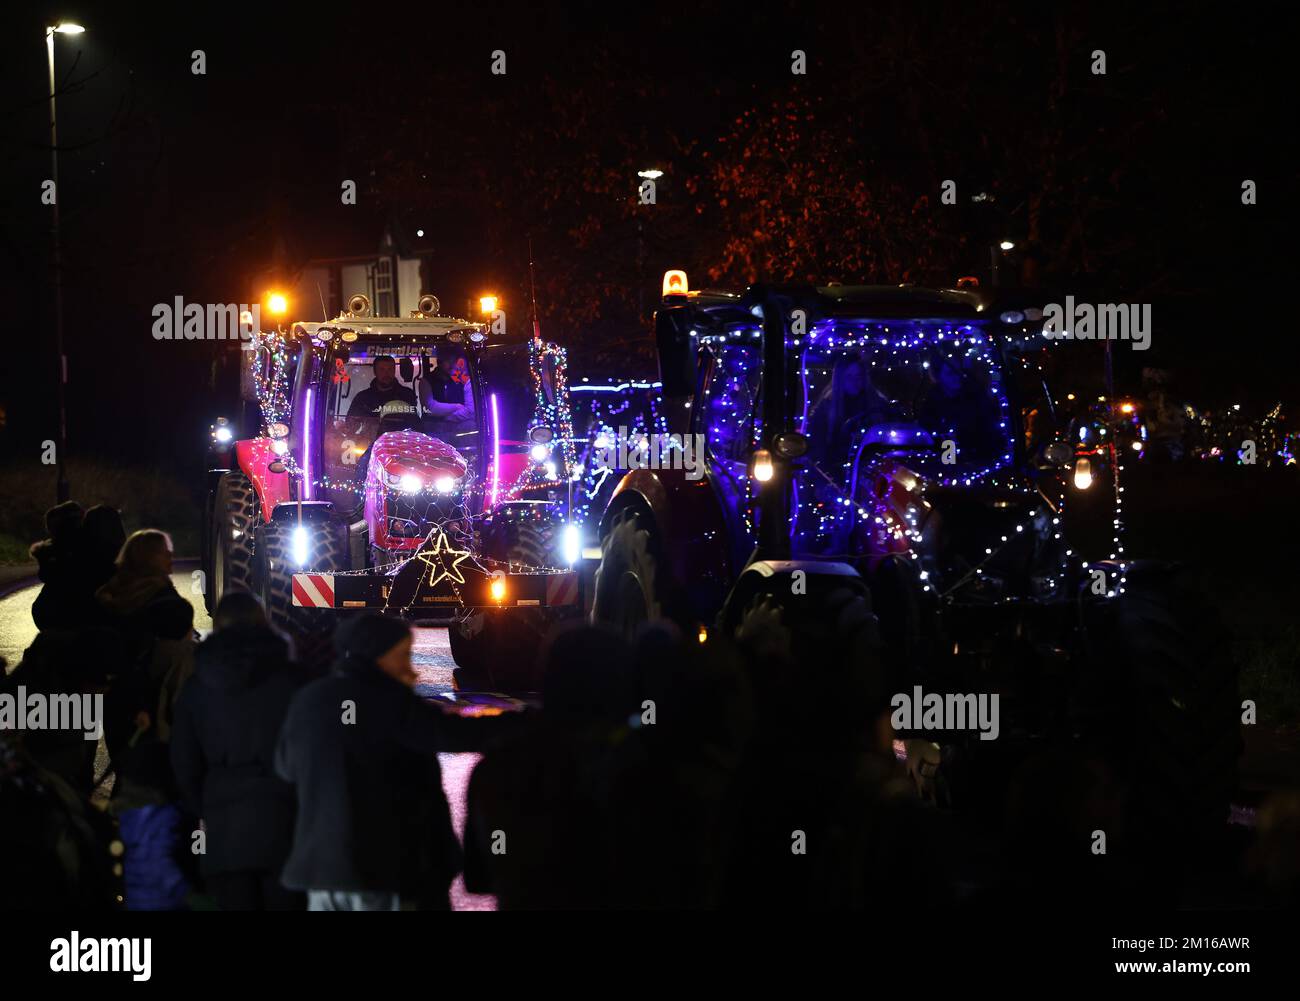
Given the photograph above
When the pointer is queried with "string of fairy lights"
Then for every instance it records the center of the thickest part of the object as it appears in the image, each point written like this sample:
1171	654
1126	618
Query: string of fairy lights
446	522
830	509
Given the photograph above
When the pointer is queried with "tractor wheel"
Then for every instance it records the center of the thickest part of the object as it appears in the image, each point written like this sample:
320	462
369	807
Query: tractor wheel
498	649
234	518
469	649
309	629
628	585
527	546
1166	714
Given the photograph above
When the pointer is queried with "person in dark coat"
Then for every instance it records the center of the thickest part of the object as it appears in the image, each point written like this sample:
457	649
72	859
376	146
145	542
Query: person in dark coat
156	626
54	667
227	721
54	846
539	830
102	538
59	565
361	749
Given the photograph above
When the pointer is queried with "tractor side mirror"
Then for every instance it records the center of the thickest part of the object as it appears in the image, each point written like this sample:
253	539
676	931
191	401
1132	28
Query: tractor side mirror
676	352
1058	454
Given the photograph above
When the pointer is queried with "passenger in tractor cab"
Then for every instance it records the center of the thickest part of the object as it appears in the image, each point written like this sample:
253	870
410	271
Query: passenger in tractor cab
445	393
383	389
958	407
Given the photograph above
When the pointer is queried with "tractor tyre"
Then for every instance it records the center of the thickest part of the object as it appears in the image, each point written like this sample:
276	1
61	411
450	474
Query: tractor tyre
1166	716
309	629
629	584
234	519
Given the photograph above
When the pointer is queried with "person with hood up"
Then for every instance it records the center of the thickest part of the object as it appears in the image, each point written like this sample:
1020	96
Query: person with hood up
361	748
226	724
102	538
59	567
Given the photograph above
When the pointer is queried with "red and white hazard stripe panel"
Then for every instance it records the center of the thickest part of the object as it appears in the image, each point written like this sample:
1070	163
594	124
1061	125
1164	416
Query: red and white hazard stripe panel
313	590
562	589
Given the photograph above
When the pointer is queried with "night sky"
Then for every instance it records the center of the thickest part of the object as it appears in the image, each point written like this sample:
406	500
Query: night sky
173	183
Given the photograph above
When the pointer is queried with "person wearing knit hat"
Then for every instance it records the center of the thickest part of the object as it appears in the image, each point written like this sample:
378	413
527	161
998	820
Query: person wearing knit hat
373	830
376	641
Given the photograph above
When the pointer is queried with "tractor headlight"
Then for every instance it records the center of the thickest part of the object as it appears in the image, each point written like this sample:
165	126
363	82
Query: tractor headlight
571	544
300	544
539	452
410	483
445	484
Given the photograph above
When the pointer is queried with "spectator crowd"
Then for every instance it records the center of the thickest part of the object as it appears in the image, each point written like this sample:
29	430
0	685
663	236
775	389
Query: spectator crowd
659	771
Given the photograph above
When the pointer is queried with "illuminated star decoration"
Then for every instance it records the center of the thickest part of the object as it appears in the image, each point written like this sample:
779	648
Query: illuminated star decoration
438	566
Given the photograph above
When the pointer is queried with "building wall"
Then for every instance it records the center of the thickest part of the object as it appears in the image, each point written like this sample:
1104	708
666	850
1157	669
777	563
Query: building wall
336	283
353	279
305	296
408	284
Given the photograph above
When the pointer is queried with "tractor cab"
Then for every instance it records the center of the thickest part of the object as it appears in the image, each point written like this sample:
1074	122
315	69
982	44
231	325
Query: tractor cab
388	422
802	396
418	465
865	426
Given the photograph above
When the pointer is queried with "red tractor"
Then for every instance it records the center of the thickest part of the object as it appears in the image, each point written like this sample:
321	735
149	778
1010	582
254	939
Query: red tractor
411	465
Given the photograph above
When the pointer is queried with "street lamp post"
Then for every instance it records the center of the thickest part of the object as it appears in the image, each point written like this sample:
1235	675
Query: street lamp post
651	174
61	459
1003	247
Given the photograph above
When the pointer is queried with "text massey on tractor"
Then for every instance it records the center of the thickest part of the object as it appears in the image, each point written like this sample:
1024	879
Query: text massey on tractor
417	466
901	446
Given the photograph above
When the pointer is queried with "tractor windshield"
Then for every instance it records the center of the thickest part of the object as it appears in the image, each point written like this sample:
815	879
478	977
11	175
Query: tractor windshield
926	396
926	392
371	389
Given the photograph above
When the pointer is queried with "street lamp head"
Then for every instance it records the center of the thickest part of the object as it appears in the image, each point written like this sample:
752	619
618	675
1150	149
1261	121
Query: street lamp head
651	174
68	28
1007	245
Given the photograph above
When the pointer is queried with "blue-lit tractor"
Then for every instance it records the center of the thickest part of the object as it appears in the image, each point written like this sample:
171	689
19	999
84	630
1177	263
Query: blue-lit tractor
901	448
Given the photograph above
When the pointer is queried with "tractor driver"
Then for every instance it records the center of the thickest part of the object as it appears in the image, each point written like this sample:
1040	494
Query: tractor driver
848	403
383	389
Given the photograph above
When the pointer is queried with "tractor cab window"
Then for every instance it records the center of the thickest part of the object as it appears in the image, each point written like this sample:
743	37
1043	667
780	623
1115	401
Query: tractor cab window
928	393
367	392
524	400
731	374
446	395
